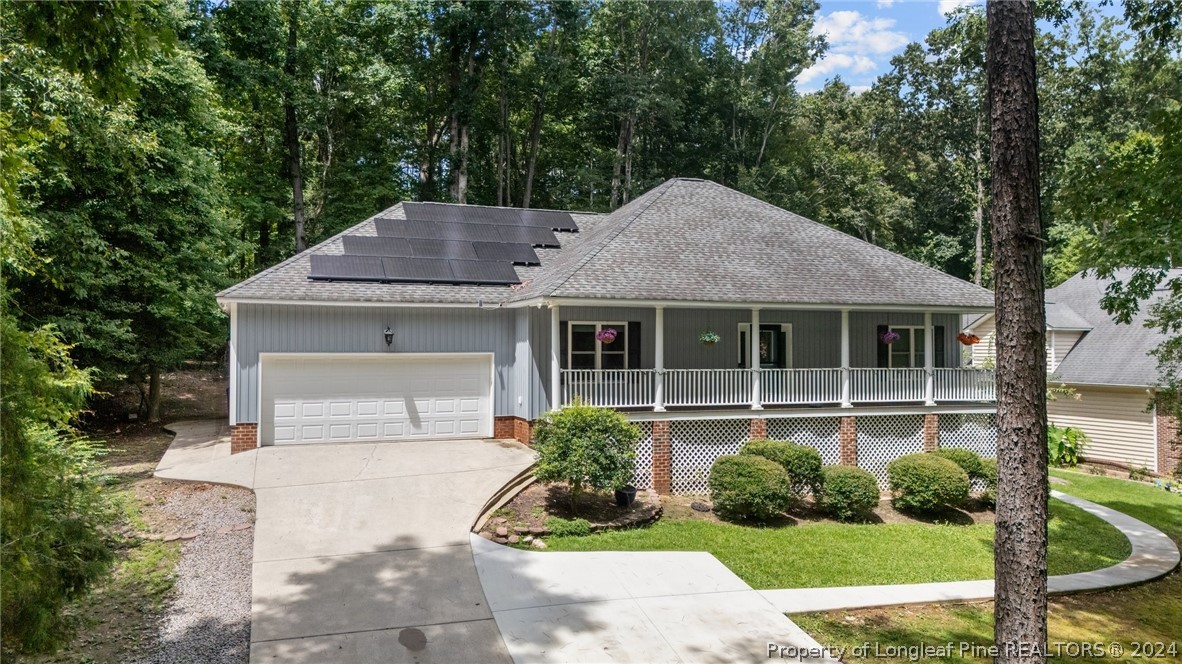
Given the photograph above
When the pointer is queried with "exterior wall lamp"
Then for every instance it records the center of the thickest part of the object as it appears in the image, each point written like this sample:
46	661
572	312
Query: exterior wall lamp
389	334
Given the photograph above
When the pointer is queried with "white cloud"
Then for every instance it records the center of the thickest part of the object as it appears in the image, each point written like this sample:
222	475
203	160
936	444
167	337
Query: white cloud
856	44
884	4
946	6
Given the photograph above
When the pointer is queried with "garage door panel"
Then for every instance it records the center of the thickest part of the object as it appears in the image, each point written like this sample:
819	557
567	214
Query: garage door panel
469	427
284	410
367	408
285	434
314	409
469	405
312	432
445	406
340	409
393	407
341	432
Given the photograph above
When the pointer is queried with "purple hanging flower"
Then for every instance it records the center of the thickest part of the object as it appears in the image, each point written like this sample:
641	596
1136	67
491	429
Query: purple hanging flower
889	337
606	335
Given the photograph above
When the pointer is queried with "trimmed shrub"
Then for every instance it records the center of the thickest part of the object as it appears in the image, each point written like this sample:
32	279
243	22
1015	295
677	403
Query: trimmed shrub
585	447
802	463
968	460
848	493
989	475
745	486
560	527
924	482
1065	445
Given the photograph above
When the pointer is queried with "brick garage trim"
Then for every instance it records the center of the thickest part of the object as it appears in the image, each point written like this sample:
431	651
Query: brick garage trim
517	428
662	458
847	438
758	429
1169	445
243	437
931	432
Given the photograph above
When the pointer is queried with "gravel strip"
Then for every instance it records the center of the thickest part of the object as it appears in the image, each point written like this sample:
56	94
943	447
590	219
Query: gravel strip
208	619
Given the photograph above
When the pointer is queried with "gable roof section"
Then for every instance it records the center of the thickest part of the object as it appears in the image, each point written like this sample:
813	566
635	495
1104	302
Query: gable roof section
1110	353
685	240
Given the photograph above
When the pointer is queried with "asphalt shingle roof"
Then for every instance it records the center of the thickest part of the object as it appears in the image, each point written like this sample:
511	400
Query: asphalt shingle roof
685	240
1111	353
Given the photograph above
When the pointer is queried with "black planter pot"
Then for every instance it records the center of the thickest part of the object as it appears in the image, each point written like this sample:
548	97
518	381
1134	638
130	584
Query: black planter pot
625	496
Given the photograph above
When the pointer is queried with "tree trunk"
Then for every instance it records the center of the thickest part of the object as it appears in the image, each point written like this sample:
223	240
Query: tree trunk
503	145
623	150
628	159
535	139
153	394
979	218
1020	549
292	128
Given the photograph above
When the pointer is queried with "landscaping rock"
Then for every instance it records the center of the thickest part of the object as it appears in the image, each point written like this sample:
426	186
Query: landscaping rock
499	520
698	506
538	544
528	539
538	530
486	535
513	539
521	530
502	531
501	540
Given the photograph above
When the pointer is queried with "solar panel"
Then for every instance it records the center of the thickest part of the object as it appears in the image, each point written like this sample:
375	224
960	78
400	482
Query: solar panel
552	219
420	270
531	235
519	254
483	272
353	268
442	249
491	215
461	214
356	245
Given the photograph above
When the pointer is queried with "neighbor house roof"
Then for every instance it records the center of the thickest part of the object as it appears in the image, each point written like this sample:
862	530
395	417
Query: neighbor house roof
1110	353
686	240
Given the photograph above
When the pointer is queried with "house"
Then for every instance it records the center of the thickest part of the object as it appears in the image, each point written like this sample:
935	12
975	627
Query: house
438	321
1109	368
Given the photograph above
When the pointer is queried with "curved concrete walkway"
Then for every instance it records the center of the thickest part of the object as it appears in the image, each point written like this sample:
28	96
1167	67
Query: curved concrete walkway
361	551
1153	555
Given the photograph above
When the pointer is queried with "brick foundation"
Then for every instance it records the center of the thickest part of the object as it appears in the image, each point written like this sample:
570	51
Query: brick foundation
1169	443
758	429
847	438
662	458
931	432
243	437
516	428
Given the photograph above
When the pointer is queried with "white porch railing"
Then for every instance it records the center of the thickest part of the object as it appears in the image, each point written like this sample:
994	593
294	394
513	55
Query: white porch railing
622	388
704	388
965	385
886	385
781	387
707	387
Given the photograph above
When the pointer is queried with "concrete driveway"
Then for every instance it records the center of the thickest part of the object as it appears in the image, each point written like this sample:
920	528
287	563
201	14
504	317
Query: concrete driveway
362	551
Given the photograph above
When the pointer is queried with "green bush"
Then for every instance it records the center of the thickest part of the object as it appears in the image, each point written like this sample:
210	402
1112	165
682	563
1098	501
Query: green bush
989	475
968	460
585	447
749	487
1065	445
848	492
802	463
924	482
560	527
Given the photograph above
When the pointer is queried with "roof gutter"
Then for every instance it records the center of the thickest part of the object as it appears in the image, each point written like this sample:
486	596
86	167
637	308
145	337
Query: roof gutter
686	304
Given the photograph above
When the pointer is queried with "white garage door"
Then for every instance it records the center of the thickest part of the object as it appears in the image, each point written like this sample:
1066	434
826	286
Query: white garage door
323	399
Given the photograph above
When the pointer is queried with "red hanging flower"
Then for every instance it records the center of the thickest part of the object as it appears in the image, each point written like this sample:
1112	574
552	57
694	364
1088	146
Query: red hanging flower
968	339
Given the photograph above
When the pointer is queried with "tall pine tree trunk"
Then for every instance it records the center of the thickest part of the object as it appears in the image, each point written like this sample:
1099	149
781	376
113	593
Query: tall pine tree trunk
623	148
153	394
291	128
979	219
535	140
1020	548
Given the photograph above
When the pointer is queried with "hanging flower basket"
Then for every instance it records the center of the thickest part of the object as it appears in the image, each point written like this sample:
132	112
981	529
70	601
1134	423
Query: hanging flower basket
606	335
889	337
968	339
709	338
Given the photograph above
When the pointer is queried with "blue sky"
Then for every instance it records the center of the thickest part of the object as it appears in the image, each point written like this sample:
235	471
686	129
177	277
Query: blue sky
864	34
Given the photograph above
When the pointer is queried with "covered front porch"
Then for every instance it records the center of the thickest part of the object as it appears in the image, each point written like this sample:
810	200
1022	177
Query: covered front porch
684	358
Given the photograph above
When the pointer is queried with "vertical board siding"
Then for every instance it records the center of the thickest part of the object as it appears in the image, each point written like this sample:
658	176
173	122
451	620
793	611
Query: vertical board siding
1118	427
273	328
864	335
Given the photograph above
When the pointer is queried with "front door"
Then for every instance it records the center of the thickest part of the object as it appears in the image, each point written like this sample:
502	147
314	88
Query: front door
774	348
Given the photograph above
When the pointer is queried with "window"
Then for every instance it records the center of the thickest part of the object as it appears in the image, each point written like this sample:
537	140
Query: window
907	352
586	351
775	346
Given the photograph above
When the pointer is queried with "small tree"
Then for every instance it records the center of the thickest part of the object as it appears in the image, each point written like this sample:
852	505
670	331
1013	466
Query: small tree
585	447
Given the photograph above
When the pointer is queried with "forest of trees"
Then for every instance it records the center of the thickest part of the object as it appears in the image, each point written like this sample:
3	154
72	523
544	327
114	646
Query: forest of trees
155	152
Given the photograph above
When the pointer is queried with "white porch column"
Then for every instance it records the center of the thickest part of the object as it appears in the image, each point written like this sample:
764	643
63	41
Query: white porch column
845	360
659	361
929	361
555	347
756	387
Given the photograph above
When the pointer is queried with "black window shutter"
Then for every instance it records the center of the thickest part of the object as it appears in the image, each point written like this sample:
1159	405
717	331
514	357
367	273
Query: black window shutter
884	349
634	344
938	357
563	346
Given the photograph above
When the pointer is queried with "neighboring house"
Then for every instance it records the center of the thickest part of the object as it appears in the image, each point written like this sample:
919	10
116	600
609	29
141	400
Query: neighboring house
436	321
1109	368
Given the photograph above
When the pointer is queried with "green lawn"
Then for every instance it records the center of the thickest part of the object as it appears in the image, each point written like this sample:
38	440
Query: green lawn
1148	613
830	554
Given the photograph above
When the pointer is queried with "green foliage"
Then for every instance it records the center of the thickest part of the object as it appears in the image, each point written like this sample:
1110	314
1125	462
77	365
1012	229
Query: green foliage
585	446
560	527
989	476
925	482
849	492
1065	445
969	461
54	509
802	463
748	487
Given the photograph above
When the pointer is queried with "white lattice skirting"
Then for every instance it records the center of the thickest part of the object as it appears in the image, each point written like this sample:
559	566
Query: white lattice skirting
817	432
643	477
971	431
696	444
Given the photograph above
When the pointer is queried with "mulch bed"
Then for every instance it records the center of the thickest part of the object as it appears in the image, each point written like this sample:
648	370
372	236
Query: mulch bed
525	516
976	511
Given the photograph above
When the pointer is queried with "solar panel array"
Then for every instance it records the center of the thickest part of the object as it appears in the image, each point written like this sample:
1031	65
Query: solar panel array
445	244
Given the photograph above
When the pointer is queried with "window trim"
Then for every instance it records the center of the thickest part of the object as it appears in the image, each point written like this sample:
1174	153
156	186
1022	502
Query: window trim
911	356
621	329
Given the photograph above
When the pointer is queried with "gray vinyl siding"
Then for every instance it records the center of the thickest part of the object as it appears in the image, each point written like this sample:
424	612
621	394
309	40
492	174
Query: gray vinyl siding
270	328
